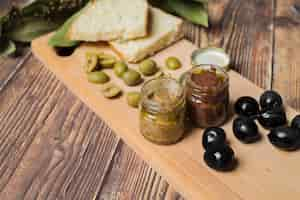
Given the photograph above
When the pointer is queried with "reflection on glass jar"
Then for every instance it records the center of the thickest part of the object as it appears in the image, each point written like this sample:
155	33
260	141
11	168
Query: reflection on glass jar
162	111
207	93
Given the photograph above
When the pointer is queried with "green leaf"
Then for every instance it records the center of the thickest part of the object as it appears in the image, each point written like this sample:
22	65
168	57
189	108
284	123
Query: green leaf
163	4
36	8
7	48
190	10
60	38
201	1
30	29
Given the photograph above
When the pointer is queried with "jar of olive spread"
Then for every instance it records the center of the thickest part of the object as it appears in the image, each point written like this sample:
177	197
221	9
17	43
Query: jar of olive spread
207	93
162	111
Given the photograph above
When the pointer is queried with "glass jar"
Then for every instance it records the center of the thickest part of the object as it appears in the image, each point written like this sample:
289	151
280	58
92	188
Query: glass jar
162	111
207	94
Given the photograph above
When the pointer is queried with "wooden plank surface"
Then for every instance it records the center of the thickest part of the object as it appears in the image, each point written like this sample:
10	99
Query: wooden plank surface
245	30
66	140
286	51
226	31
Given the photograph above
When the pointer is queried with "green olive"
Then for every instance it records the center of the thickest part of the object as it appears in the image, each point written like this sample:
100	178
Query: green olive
132	77
120	68
173	63
148	67
159	74
103	56
133	99
91	62
111	91
107	63
98	77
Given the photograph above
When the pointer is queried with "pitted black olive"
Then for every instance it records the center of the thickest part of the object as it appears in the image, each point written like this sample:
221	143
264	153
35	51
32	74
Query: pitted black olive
296	122
220	158
213	137
245	129
246	106
285	138
270	100
64	51
272	118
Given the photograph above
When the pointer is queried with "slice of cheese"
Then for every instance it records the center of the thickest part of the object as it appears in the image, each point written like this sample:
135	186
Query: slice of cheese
164	29
106	20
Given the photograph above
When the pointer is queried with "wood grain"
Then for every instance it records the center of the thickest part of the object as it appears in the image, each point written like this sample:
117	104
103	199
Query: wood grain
245	30
49	140
286	51
132	178
10	66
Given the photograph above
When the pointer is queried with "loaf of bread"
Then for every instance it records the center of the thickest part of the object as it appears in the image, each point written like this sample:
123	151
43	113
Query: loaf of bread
164	29
106	20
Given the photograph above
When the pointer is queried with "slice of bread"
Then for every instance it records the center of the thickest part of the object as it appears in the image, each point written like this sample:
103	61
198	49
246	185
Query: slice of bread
106	20
164	29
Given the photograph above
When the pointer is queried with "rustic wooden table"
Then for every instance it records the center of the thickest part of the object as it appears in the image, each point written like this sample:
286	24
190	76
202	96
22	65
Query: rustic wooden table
53	147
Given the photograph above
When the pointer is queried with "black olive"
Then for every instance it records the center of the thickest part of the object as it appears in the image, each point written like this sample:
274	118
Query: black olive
213	137
296	122
245	129
272	118
220	158
269	100
64	51
246	106
285	138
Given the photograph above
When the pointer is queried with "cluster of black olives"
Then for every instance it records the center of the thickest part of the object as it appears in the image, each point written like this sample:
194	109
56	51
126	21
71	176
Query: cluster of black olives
269	112
218	154
271	115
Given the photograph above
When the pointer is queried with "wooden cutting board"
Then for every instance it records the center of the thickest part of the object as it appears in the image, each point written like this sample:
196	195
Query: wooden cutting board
263	173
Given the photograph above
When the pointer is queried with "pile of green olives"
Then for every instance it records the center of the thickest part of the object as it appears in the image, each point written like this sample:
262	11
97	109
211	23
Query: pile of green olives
218	154
97	62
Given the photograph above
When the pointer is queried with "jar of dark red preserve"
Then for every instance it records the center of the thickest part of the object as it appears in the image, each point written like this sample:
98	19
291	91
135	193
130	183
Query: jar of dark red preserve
207	95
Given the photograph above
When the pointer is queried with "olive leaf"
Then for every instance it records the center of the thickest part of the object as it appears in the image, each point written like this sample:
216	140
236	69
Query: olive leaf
201	1
60	38
190	10
30	29
36	8
26	21
7	48
161	4
194	11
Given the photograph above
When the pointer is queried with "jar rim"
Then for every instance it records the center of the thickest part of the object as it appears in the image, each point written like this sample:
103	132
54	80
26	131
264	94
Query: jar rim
154	106
190	82
218	50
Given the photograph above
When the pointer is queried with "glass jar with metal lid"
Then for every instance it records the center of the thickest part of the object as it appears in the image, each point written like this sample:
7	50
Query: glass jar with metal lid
207	94
162	111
